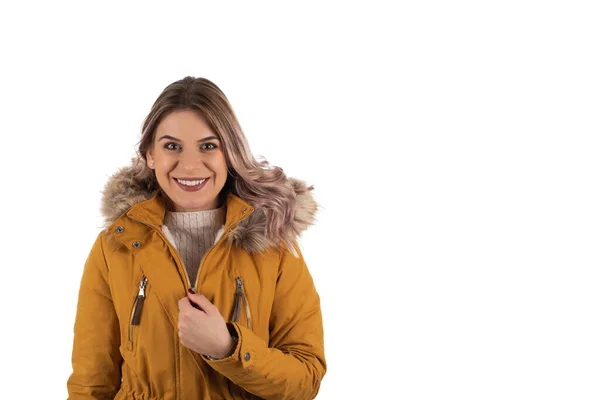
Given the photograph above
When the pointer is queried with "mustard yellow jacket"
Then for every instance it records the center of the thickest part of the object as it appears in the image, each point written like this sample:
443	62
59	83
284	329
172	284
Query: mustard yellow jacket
126	343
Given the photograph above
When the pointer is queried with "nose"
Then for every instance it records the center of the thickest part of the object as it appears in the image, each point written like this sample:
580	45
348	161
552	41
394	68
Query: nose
191	161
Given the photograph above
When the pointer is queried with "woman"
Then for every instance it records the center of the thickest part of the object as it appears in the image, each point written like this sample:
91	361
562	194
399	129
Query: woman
196	288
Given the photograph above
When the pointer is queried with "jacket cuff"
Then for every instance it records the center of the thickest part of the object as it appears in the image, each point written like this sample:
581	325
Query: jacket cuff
243	359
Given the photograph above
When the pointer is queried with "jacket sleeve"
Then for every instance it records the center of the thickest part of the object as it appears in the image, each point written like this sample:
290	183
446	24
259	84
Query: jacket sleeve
293	364
96	359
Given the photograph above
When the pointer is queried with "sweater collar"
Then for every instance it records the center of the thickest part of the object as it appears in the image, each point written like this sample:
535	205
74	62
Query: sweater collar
184	220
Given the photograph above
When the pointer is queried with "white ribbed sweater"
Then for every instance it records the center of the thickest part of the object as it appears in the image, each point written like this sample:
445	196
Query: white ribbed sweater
193	233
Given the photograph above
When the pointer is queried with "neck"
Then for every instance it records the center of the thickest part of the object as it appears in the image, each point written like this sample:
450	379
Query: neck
170	206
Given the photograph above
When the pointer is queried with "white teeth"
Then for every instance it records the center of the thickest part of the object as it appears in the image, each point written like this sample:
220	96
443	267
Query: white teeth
190	183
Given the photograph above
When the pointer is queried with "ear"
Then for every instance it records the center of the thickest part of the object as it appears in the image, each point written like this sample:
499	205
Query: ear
150	159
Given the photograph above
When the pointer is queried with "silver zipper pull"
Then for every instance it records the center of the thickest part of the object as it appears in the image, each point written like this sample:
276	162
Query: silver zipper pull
237	302
139	303
143	283
241	297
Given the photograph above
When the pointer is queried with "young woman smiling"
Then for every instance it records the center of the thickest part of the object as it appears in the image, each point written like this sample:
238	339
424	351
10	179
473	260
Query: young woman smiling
196	288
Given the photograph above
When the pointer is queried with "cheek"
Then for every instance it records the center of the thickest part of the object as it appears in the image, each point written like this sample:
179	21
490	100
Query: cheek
223	171
164	163
219	165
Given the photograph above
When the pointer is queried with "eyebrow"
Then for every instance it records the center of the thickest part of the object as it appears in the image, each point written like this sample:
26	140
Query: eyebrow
179	140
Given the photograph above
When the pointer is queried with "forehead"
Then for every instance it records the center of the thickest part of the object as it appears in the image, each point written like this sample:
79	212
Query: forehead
183	125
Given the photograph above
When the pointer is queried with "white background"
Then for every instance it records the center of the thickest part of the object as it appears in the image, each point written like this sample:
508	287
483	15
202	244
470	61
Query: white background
452	145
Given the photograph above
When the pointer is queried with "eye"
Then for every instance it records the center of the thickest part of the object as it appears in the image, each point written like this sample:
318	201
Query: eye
209	144
170	143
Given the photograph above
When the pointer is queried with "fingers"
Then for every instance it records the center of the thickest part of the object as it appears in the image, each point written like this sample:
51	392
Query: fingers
184	303
202	301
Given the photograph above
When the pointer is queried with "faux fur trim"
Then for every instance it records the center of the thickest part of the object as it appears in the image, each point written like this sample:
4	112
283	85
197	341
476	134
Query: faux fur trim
123	190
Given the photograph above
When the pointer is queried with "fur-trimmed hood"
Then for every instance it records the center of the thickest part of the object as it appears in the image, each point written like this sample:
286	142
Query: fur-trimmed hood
123	190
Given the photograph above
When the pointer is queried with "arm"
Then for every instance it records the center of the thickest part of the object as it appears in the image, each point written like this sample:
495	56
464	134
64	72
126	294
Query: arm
293	364
96	358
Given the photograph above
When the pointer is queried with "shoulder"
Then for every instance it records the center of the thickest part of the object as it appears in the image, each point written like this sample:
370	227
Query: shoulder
291	261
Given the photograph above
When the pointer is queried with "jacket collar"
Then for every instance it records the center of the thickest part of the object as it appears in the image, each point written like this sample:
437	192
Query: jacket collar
124	195
153	210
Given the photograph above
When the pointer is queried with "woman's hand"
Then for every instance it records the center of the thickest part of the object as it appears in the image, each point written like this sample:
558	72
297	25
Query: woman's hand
204	330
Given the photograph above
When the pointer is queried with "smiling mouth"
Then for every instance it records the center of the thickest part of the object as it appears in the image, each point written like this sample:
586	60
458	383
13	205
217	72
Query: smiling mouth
191	185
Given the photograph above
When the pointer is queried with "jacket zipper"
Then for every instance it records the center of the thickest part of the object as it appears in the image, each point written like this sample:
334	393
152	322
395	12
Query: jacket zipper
239	297
178	258
180	262
136	312
225	233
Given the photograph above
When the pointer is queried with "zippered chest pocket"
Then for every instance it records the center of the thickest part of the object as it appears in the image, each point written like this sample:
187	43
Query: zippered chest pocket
240	303
136	313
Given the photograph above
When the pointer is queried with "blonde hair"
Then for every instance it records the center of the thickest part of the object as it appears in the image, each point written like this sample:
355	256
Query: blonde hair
263	186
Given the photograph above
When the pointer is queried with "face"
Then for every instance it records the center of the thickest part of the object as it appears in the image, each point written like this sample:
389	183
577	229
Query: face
185	148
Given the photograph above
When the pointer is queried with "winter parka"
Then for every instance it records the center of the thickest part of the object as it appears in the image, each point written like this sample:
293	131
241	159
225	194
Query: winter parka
126	343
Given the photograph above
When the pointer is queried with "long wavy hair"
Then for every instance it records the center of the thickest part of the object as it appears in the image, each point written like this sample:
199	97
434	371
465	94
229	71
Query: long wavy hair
260	184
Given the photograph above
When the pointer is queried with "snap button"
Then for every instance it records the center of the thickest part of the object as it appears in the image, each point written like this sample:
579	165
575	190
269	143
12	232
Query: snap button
136	244
119	229
244	211
247	356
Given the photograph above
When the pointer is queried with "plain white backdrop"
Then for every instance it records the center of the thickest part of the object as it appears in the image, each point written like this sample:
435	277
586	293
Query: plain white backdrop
453	147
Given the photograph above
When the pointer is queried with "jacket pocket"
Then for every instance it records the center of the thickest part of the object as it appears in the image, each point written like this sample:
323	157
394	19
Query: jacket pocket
241	301
136	311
